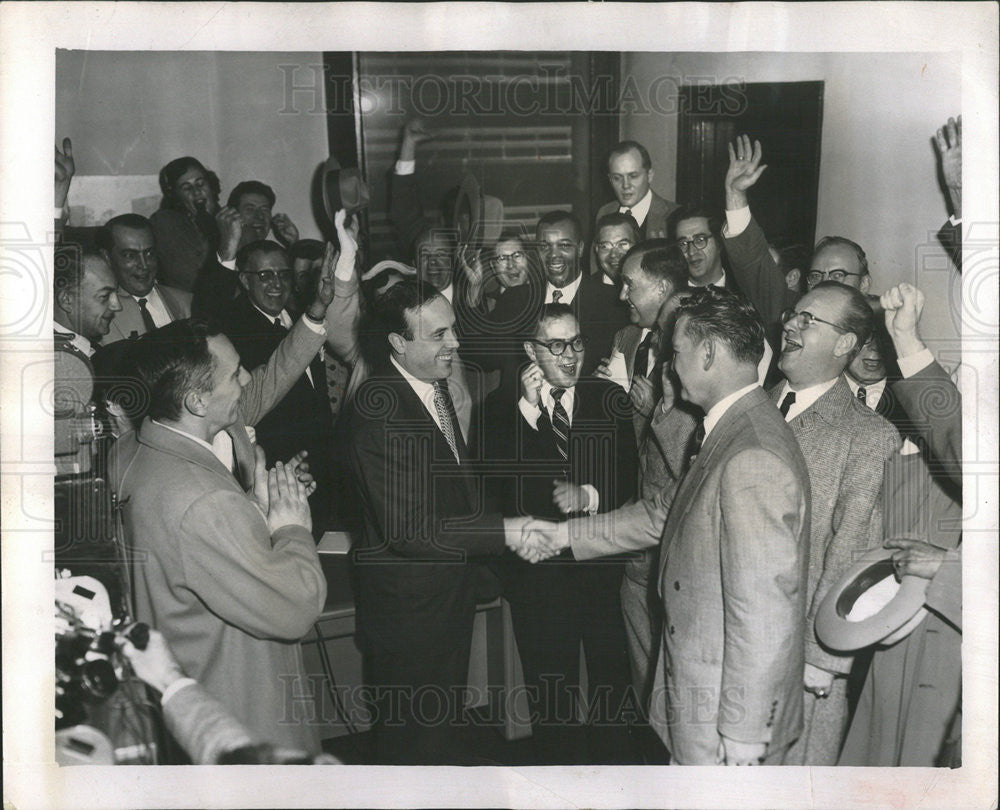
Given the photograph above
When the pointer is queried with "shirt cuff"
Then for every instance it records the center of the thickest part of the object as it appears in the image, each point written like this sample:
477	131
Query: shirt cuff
60	213
910	365
229	264
318	328
405	166
955	220
529	412
594	498
345	265
736	221
174	688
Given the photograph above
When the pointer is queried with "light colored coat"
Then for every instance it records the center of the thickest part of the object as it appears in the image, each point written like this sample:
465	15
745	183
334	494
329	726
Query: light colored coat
129	320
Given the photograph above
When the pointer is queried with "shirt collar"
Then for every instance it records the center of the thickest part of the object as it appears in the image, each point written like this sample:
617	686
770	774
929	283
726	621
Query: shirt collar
423	389
152	295
283	316
718	410
721	281
641	208
805	397
78	341
186	435
873	390
549	401
568	292
448	292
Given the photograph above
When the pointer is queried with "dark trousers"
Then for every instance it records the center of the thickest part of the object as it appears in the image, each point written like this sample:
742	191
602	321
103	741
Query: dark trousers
555	606
418	698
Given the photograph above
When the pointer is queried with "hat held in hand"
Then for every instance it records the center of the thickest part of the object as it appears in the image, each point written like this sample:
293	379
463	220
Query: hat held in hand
343	189
868	606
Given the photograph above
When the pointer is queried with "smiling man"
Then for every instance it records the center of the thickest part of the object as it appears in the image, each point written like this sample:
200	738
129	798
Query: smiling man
616	234
845	445
126	242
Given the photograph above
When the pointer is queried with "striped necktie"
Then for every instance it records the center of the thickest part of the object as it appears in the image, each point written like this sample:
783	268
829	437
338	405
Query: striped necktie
862	395
560	422
446	416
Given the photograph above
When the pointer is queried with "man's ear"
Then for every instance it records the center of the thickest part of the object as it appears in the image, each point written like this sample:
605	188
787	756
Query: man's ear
194	402
707	349
845	344
244	281
649	174
397	342
866	282
529	349
580	247
66	299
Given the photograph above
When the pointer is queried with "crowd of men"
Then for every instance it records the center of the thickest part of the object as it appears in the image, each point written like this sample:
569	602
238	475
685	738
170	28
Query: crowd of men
660	440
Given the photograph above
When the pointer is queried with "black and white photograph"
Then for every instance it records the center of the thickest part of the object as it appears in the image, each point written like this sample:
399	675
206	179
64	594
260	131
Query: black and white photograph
499	405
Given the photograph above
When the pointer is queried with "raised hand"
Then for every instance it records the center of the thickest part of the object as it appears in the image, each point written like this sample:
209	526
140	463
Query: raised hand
300	467
642	395
818	681
347	235
324	285
949	146
230	232
284	229
903	305
733	752
65	169
288	504
531	384
915	557
744	170
415	132
569	497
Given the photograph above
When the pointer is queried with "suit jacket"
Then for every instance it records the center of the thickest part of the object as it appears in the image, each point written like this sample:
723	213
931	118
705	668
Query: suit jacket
128	323
732	578
232	599
655	224
302	419
600	313
950	237
846	445
422	523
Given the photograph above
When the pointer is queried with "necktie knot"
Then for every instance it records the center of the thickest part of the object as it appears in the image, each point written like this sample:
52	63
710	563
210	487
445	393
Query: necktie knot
147	317
787	403
862	395
556	296
697	439
142	303
557	393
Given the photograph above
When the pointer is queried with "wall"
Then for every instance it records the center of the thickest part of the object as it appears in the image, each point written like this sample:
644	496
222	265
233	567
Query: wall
129	113
877	180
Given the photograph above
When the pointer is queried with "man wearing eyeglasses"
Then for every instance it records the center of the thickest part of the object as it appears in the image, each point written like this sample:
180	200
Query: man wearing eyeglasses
257	324
846	445
616	234
570	444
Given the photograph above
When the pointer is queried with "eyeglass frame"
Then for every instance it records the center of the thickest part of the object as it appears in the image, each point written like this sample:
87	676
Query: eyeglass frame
566	344
508	258
788	314
267	276
683	245
828	276
628	244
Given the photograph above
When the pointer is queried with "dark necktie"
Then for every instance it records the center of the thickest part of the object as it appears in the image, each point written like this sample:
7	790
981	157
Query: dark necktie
147	319
447	417
787	403
862	395
696	441
560	423
641	365
556	296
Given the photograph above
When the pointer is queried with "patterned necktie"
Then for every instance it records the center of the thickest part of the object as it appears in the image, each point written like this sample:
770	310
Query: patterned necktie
862	395
446	416
641	365
787	403
147	319
560	423
556	296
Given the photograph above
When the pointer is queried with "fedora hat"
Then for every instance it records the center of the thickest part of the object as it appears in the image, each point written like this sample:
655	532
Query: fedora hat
478	218
868	606
343	188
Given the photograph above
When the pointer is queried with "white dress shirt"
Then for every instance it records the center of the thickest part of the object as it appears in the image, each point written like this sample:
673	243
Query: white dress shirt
568	292
718	410
805	397
640	210
154	305
873	392
78	341
286	321
425	392
736	222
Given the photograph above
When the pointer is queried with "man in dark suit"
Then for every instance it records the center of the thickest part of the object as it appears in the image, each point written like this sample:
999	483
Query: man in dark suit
302	420
595	305
614	236
630	171
126	242
570	444
423	522
732	571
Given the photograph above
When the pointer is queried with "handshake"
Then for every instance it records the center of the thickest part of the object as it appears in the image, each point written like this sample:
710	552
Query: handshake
535	540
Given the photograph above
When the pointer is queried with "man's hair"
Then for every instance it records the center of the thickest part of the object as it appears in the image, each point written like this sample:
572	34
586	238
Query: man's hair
555	217
390	308
549	312
245	253
627	146
250	187
693	211
171	173
104	238
857	316
69	265
513	235
722	316
660	259
310	249
172	361
834	241
618	219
